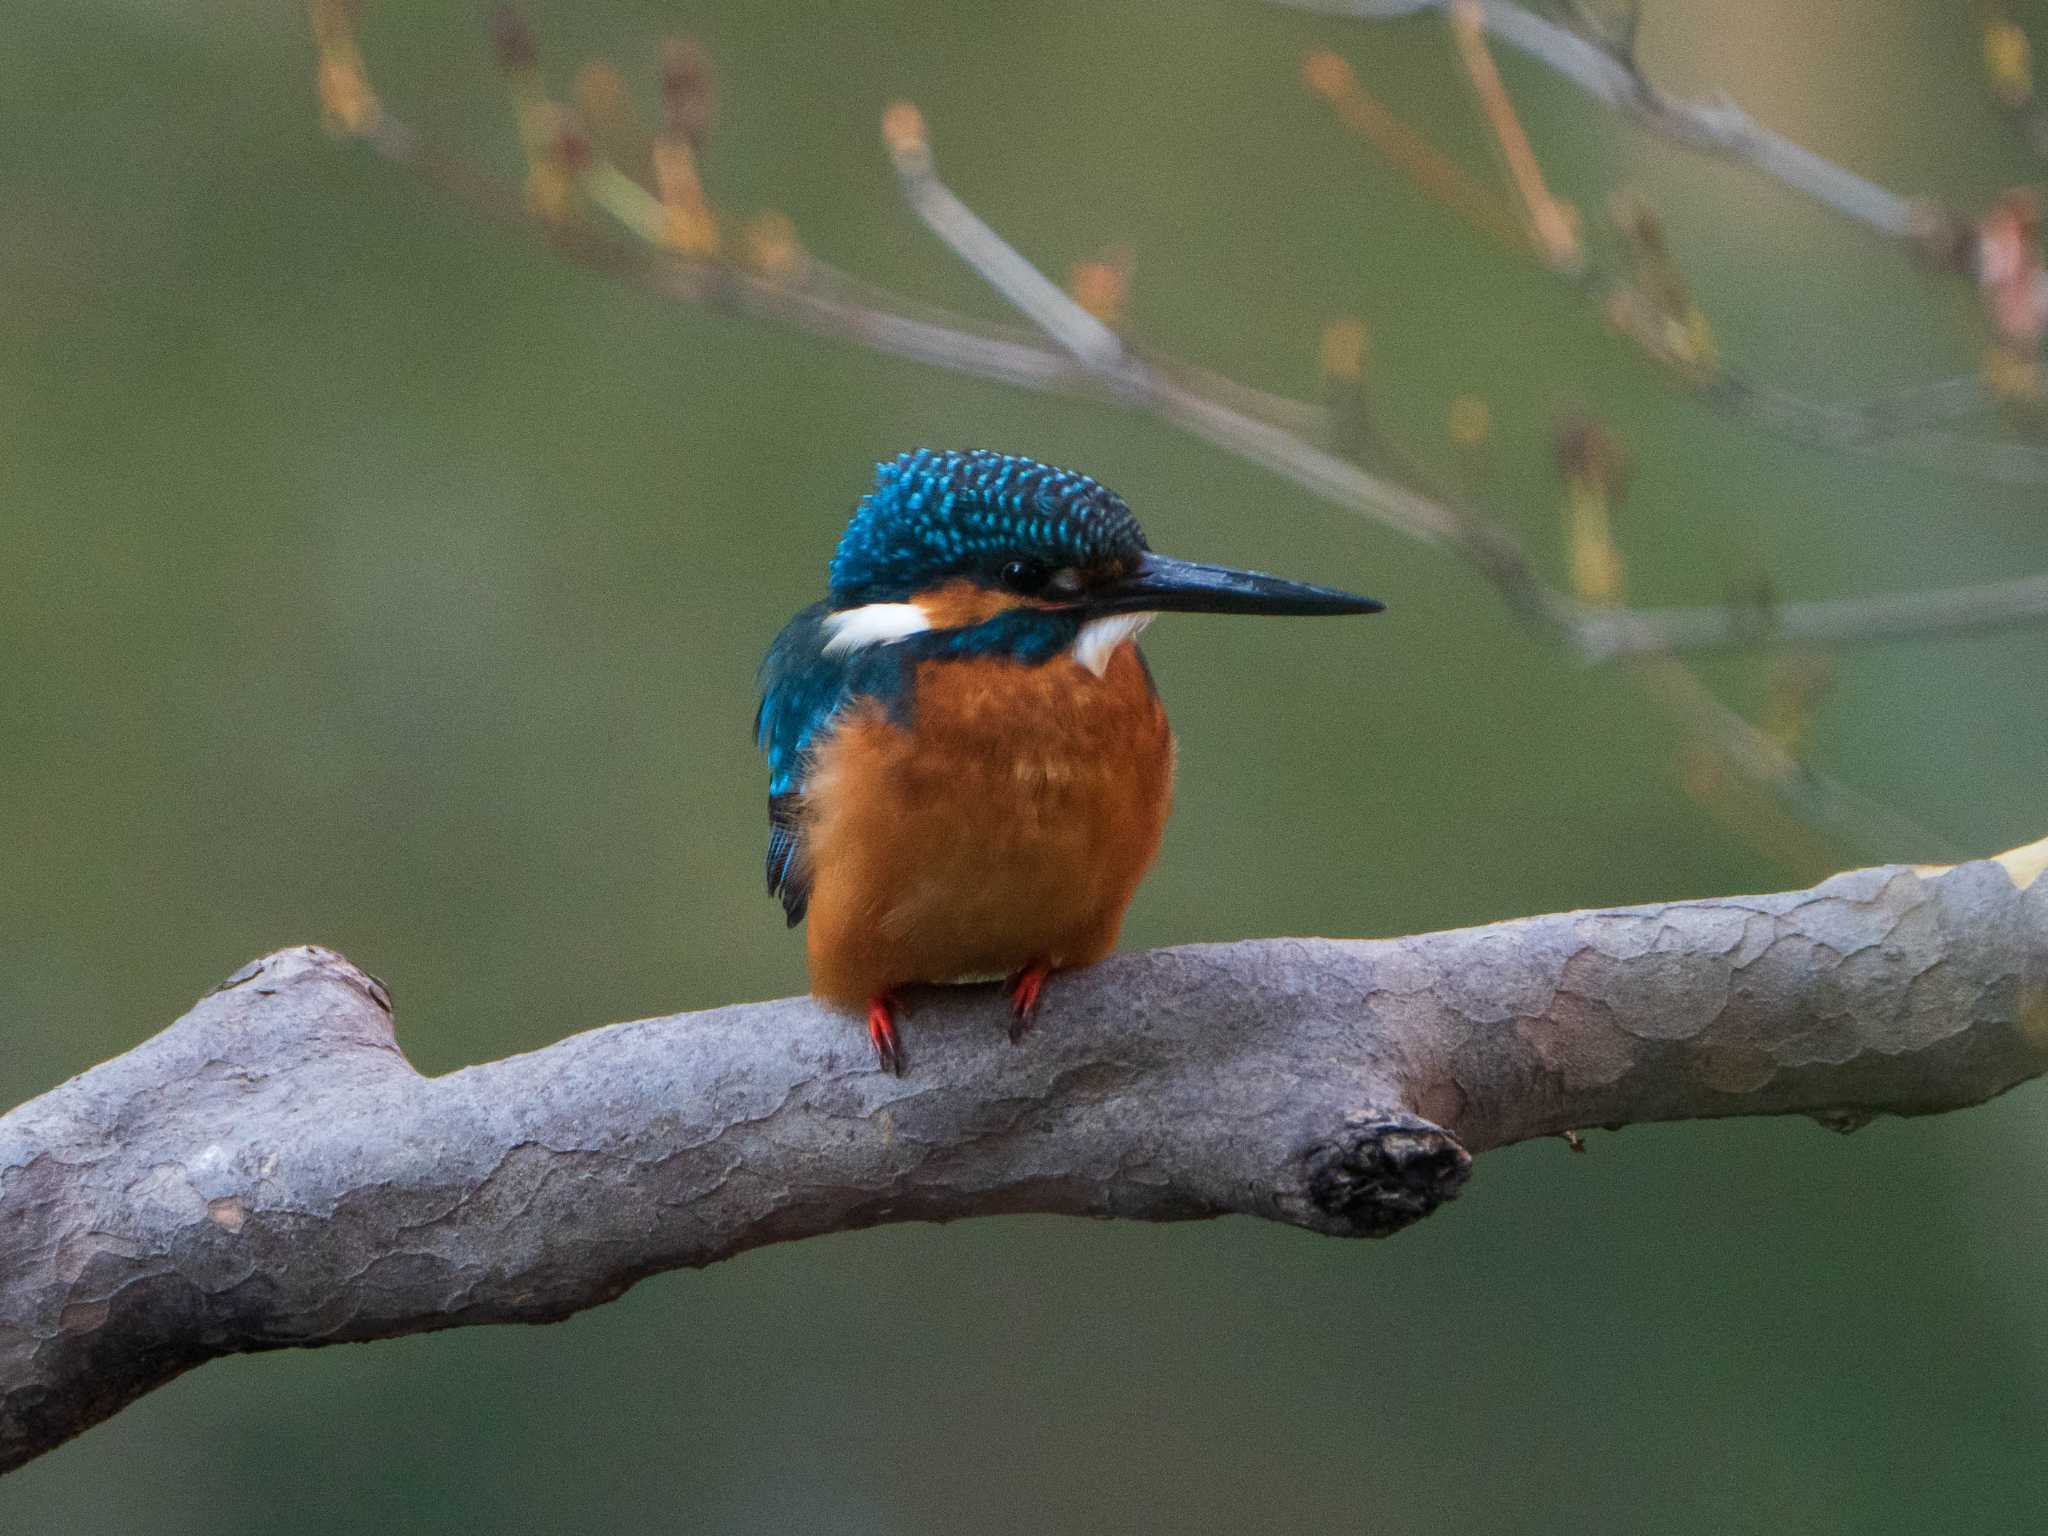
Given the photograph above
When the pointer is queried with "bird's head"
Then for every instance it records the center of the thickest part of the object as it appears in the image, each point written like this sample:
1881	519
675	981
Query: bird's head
1025	555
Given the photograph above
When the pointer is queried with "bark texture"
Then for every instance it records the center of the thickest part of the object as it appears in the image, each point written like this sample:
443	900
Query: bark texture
270	1171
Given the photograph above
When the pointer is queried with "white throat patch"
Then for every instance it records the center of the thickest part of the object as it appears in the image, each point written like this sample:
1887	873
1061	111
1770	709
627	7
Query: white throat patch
1099	639
852	629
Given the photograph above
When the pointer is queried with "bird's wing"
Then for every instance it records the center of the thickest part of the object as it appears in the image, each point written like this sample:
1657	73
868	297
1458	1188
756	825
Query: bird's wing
804	692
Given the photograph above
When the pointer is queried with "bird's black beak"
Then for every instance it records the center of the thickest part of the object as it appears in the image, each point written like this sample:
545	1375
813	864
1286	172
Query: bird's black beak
1158	584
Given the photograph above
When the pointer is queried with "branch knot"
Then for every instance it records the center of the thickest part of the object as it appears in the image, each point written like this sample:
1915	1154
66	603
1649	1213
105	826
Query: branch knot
1383	1171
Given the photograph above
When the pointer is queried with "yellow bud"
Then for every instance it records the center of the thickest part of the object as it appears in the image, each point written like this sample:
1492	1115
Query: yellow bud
1102	287
903	131
2013	376
1596	564
1343	350
1327	74
1595	476
1471	421
551	192
348	106
2008	60
772	248
1702	351
692	227
555	151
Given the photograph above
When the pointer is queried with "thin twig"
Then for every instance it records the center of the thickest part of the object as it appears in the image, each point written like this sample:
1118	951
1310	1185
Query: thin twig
1275	431
1720	128
1926	404
1605	634
1092	362
1179	397
1448	182
1040	300
1841	812
1553	228
1896	428
1843	815
1022	285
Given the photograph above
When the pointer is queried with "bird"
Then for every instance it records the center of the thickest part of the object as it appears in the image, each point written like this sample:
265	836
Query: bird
969	766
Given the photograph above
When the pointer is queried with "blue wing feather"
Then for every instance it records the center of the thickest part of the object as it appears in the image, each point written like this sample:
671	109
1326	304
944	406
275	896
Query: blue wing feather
804	692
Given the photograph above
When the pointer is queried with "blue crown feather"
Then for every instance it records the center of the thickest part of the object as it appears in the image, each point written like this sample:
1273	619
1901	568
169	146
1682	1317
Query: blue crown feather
935	514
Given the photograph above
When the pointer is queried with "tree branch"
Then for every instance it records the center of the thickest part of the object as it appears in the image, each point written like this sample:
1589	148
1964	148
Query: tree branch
1602	635
271	1172
1902	428
1287	437
1611	76
1495	553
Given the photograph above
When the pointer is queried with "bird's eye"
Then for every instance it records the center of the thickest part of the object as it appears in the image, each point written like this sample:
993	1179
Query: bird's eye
1026	577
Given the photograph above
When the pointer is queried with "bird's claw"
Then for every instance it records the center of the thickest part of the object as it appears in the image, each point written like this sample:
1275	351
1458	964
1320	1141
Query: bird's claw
1025	987
882	1031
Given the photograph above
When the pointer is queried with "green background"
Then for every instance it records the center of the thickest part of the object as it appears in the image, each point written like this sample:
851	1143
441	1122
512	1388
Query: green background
373	576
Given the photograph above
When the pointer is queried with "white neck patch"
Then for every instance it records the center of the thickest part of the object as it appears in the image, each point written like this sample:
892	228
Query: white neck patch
853	629
1099	639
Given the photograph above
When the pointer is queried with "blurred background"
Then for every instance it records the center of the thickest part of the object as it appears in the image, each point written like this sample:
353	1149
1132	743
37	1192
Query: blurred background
373	575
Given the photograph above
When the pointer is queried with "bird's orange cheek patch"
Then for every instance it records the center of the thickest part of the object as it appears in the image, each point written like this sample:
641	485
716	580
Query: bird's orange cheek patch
961	604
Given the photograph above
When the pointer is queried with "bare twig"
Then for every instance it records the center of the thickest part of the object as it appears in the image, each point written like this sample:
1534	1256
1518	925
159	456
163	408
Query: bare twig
1610	77
1824	803
1552	226
1086	360
1602	634
1845	816
1028	290
1329	76
1926	404
270	1172
1276	432
1898	428
1129	375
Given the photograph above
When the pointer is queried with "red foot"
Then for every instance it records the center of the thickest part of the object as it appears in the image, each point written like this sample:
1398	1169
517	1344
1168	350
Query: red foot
882	1030
1024	989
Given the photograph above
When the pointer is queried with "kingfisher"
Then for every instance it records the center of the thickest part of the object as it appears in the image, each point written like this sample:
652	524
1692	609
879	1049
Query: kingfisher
969	766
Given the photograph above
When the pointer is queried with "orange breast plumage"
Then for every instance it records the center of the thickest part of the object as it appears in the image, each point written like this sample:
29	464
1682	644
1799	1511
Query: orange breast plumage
1005	828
